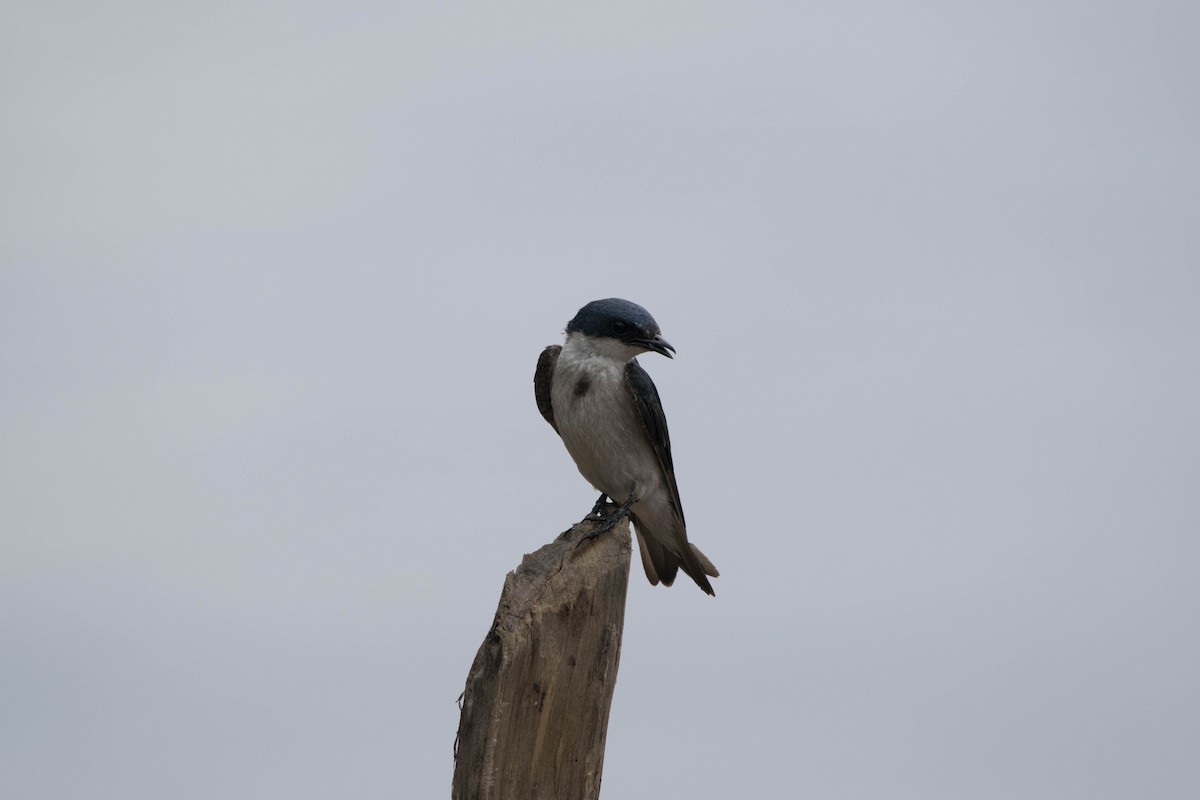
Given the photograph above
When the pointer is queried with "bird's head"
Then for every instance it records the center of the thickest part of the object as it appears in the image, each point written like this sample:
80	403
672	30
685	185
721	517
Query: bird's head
620	328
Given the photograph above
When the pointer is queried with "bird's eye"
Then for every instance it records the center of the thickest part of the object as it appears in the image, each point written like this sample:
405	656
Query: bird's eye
619	328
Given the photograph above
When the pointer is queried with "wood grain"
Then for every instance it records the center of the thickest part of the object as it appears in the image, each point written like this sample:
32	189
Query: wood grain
535	708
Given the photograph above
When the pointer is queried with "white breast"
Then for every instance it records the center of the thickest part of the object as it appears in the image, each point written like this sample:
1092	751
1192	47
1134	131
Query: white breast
594	413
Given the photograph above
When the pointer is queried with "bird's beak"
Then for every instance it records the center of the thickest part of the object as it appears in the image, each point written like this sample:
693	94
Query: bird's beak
659	345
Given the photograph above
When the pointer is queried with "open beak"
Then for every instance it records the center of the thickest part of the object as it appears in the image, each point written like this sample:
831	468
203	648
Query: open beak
658	345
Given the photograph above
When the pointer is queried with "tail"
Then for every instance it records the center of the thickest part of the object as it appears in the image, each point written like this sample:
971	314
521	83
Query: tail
662	562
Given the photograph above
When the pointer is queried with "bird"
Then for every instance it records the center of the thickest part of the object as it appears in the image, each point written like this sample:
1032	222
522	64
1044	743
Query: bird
607	412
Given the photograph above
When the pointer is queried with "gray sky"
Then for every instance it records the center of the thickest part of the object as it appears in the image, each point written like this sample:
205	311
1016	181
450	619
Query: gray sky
274	278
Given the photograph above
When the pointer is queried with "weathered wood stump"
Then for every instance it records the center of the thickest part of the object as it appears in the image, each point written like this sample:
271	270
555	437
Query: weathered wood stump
535	708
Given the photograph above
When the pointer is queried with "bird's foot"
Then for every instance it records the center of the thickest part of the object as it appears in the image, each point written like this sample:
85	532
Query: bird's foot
609	521
600	510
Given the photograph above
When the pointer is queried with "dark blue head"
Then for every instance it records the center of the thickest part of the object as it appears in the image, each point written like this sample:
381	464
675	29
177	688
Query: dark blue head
622	320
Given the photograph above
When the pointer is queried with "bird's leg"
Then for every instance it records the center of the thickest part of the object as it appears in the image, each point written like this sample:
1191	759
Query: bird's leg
610	522
598	510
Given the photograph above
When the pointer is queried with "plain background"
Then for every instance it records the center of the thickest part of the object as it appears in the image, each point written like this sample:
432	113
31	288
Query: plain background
275	277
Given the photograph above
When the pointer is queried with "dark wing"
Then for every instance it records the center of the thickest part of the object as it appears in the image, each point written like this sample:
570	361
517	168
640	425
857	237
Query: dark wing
543	379
654	423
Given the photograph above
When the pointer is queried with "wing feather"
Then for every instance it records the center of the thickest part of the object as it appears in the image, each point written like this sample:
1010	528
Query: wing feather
674	551
654	422
543	379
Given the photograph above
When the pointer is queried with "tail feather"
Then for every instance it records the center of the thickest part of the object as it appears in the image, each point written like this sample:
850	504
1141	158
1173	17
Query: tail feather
705	564
662	563
660	567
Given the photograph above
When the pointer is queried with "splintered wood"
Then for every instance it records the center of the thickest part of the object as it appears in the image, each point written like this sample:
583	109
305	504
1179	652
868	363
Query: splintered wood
535	708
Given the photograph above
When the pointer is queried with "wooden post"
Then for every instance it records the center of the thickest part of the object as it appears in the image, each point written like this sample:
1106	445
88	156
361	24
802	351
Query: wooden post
535	708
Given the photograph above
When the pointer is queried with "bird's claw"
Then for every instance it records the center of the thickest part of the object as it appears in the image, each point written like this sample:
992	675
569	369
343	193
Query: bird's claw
600	510
606	521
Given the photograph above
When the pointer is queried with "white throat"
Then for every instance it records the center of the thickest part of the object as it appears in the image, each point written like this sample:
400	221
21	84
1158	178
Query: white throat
579	348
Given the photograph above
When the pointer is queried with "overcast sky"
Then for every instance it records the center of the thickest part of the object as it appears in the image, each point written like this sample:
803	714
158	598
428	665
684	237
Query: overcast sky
274	278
